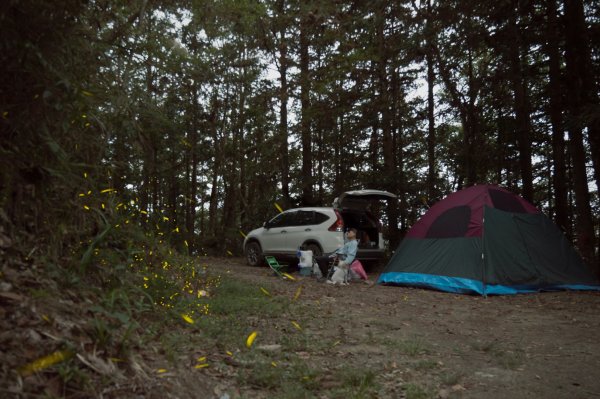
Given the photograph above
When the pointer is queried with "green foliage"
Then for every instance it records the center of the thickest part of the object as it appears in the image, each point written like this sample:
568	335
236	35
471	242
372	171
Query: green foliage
178	106
73	376
49	120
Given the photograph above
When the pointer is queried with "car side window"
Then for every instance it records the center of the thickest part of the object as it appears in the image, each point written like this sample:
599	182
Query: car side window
305	218
283	219
276	221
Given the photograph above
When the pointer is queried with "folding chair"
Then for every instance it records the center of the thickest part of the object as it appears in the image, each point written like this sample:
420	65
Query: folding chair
332	265
277	267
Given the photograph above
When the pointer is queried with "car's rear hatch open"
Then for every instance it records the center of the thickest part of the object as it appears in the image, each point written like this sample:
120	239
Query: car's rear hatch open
360	210
360	199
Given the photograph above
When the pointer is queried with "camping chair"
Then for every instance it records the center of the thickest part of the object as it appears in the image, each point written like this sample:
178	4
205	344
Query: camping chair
277	267
331	268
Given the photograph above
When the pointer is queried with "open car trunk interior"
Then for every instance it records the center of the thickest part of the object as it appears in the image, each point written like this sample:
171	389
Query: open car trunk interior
366	226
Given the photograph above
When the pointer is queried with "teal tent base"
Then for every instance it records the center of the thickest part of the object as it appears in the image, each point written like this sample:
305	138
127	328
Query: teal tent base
459	285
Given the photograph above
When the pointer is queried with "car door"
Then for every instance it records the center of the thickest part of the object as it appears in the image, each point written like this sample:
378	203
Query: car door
274	237
300	230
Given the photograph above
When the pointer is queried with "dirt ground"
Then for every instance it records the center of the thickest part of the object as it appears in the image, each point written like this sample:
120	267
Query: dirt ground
424	343
415	343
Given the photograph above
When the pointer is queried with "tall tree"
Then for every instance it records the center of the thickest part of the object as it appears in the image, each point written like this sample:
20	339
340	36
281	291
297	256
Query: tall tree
517	15
387	133
276	38
305	23
575	53
559	179
430	62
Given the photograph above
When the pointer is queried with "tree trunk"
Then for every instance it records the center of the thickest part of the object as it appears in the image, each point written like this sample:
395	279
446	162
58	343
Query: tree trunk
120	163
389	165
217	156
579	38
470	149
464	165
154	178
190	217
322	154
398	209
305	129
559	177
340	160
521	102
431	140
145	184
575	88
236	152
283	111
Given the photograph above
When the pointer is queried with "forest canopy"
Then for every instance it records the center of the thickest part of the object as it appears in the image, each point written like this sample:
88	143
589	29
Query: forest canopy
200	115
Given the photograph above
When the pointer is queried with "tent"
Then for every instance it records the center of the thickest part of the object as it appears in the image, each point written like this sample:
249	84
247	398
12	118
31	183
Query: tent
489	241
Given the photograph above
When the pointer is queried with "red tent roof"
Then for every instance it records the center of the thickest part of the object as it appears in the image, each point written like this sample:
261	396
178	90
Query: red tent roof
461	214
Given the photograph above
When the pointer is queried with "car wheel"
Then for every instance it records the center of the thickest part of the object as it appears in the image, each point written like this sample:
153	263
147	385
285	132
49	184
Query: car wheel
254	254
316	250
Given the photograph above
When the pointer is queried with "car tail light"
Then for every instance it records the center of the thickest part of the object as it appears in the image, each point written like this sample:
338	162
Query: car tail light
338	225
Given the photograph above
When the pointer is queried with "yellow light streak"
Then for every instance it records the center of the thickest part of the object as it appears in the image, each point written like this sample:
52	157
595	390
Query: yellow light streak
45	362
251	338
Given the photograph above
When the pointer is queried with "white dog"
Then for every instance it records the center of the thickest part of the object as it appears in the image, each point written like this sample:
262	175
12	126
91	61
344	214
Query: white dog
340	275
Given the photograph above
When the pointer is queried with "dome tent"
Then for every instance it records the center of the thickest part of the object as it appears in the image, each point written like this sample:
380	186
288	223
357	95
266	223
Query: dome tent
489	241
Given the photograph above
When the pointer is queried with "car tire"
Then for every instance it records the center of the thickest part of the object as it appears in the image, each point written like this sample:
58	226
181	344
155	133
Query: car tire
254	255
315	248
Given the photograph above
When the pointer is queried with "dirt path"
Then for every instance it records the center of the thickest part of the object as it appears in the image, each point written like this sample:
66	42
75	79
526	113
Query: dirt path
423	343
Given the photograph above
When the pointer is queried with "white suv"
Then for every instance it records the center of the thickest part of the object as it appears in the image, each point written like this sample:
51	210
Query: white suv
320	229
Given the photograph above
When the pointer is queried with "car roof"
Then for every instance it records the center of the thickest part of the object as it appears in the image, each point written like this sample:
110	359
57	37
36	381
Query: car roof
311	208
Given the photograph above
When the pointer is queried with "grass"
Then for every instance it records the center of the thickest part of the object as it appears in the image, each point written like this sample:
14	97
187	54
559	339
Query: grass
509	359
285	375
153	312
413	346
173	345
426	365
359	383
236	297
452	378
415	391
283	372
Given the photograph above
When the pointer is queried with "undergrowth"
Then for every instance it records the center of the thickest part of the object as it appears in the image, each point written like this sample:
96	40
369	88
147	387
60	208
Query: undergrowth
126	313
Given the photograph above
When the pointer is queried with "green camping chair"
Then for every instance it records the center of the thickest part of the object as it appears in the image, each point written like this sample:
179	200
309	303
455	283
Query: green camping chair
277	267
